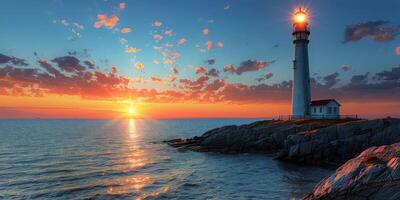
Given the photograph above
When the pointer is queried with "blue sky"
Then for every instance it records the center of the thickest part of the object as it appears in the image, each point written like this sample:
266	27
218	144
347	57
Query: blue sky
248	30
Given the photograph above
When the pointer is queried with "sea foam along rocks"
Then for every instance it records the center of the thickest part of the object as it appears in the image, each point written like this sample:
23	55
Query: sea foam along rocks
373	175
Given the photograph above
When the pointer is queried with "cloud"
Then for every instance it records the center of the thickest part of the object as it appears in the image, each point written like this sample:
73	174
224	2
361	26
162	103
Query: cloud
248	66
205	31
168	32
68	75
220	44
156	79
331	79
392	75
380	31
209	45
12	60
171	78
265	77
211	61
397	50
213	72
108	22
169	45
359	79
122	6
114	69
227	7
174	70
156	62
181	41
346	67
68	64
131	50
168	62
126	30
89	64
200	70
158	37
139	65
157	23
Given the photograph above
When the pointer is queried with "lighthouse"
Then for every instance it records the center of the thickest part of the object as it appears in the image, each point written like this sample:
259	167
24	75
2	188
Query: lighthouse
301	95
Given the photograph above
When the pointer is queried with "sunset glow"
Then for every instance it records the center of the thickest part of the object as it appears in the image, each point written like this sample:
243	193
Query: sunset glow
234	61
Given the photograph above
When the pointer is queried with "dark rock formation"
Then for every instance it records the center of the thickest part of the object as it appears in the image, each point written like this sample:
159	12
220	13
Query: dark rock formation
263	136
338	143
374	174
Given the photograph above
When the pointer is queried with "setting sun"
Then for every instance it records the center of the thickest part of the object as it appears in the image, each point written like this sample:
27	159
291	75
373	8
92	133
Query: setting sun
131	111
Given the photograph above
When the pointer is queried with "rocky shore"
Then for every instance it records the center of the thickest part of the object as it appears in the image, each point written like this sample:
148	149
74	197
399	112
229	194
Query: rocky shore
373	173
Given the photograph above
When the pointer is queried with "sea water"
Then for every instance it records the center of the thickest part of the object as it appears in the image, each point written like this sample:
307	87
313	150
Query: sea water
126	159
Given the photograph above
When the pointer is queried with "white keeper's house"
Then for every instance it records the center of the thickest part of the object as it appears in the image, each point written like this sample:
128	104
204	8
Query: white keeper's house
325	109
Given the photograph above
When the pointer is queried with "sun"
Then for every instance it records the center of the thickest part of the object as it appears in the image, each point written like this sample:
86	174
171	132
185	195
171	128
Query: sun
131	111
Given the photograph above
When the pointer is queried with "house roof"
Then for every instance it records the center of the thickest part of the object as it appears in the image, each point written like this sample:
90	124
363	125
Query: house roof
323	102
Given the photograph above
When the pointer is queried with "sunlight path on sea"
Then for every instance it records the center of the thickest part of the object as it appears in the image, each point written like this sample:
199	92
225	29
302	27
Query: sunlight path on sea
126	159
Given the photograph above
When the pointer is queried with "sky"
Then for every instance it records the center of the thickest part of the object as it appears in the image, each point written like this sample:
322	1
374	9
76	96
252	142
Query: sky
193	59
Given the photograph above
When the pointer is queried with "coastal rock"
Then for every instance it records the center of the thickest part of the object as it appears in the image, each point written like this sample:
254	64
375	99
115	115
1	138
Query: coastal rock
374	174
268	136
337	143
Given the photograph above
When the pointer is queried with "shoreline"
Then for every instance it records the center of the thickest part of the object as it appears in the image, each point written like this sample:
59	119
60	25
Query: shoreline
326	143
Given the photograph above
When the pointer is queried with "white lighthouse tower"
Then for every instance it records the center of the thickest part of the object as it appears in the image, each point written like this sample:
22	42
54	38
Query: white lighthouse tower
301	96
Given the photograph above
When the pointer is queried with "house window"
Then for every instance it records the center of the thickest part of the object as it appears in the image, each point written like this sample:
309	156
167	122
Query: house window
329	110
334	110
320	109
315	109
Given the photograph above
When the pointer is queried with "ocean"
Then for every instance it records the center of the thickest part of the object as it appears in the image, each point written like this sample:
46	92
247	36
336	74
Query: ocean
126	159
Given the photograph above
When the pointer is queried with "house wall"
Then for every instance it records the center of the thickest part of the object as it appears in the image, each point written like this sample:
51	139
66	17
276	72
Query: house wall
323	111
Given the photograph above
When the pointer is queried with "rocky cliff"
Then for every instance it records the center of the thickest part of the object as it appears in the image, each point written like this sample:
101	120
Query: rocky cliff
338	143
304	141
373	175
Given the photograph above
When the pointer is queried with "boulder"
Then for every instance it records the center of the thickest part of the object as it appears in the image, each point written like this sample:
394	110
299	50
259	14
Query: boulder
373	175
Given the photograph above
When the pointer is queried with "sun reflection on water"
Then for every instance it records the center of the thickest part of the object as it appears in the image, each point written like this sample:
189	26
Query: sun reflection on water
135	156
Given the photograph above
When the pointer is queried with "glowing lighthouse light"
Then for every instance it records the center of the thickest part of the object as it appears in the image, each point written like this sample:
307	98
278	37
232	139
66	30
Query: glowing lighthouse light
300	16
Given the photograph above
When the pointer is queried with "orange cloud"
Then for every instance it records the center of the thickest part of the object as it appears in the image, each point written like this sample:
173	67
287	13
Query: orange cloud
139	65
114	69
220	44
155	79
168	62
108	22
209	45
168	32
126	30
158	37
157	23
131	50
138	79
171	78
156	62
200	70
397	50
181	41
122	6
174	70
205	31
